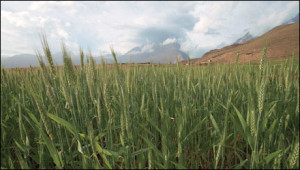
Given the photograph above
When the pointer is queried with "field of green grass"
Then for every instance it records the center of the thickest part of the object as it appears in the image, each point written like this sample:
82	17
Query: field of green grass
169	116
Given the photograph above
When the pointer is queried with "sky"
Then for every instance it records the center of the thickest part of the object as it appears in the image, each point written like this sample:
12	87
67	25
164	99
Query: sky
198	26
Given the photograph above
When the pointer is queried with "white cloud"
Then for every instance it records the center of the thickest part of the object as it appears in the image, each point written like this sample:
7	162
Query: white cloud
20	32
197	26
169	41
230	19
148	48
62	33
19	19
209	14
274	16
69	7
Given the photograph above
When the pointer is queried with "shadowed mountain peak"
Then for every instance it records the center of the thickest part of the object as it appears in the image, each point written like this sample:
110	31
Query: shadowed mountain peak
244	38
155	53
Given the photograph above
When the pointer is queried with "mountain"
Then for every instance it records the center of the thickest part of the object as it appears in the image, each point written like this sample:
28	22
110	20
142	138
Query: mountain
26	60
244	38
248	36
281	42
155	52
21	60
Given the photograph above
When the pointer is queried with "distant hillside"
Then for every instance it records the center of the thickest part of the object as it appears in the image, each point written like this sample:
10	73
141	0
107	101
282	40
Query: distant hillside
26	60
156	53
281	42
22	60
248	36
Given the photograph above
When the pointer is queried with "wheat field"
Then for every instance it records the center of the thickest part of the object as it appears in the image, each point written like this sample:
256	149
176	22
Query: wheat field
150	117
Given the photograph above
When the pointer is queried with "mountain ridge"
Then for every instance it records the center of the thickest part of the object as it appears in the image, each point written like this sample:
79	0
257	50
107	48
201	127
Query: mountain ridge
27	60
281	42
244	38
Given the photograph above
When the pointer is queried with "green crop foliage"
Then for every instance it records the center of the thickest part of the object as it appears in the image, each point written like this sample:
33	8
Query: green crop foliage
166	116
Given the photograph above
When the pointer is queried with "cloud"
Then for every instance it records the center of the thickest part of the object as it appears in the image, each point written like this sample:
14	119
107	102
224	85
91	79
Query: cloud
155	35
197	26
69	7
273	16
62	33
21	32
220	24
212	31
169	41
18	19
148	48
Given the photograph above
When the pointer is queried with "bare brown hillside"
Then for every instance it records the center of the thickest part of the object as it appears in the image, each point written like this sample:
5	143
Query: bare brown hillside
280	41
